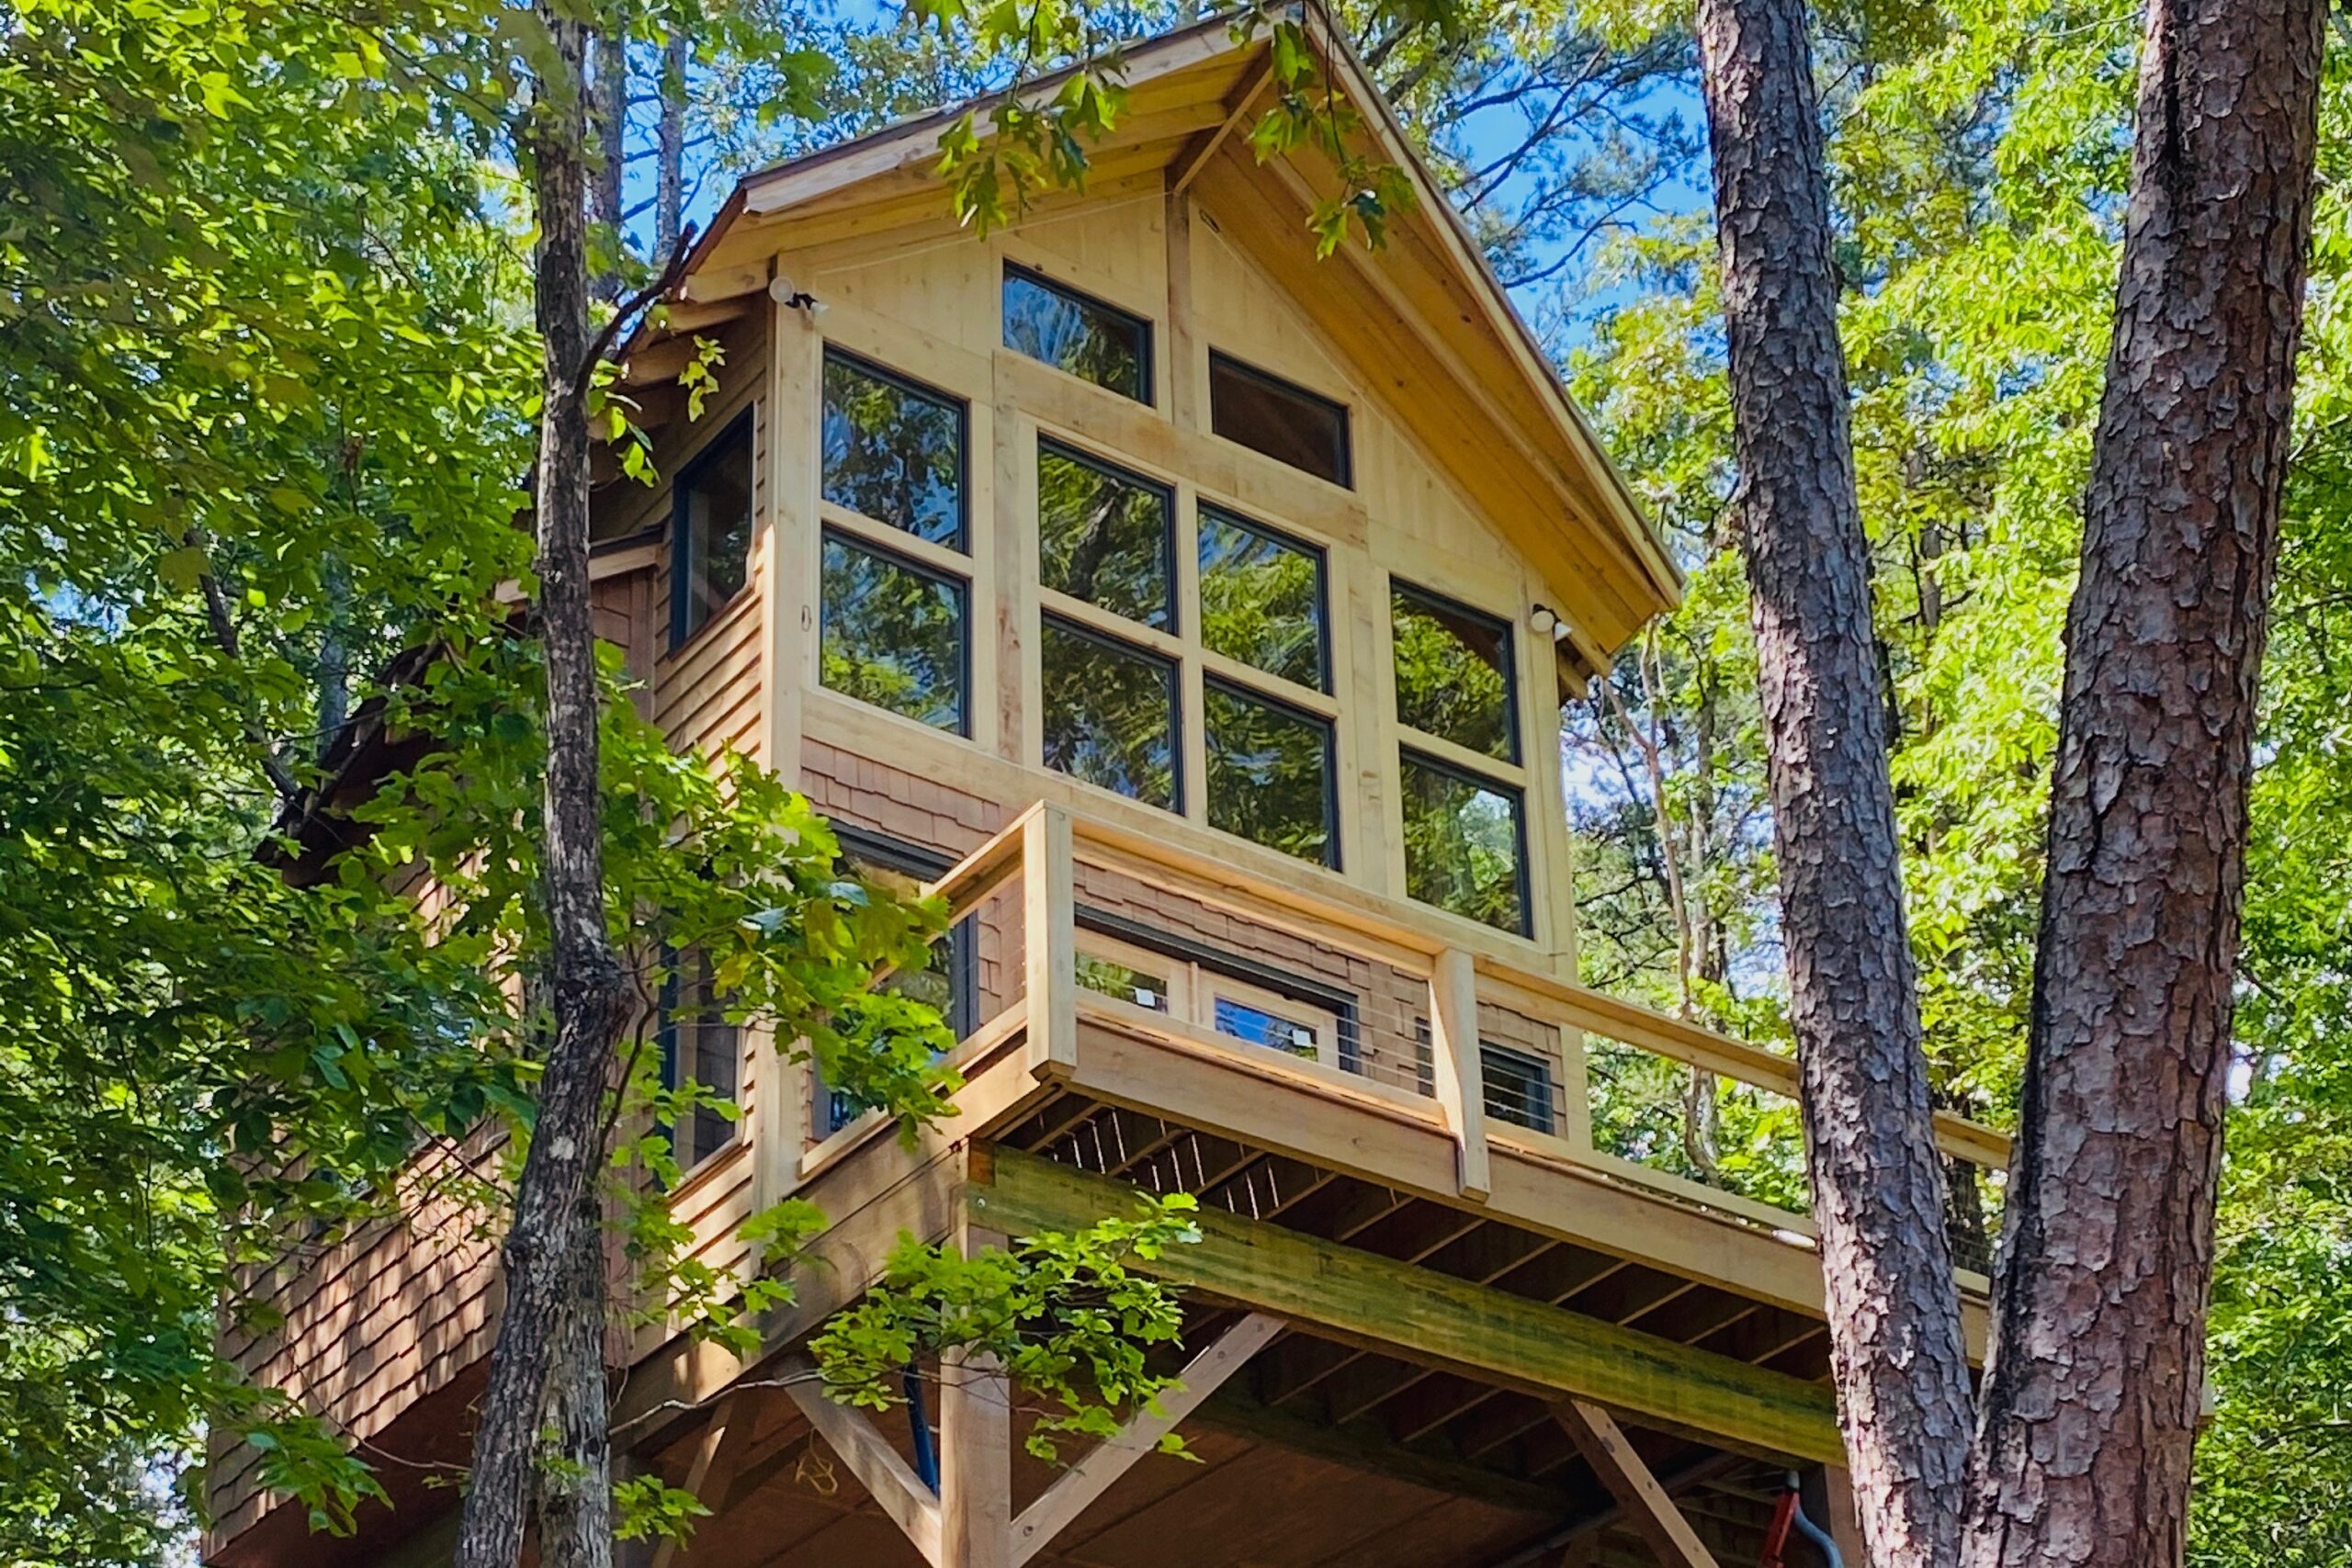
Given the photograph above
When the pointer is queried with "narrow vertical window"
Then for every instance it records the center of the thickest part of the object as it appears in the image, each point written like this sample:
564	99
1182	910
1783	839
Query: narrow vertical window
710	530
1076	333
702	1048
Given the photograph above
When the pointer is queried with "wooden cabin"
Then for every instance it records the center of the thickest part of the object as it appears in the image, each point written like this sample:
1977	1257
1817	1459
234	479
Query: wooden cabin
1194	615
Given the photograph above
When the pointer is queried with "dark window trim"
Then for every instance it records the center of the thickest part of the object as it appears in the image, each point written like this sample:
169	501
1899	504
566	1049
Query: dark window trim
1434	600
1249	524
1175	710
1330	761
1341	1005
826	533
1541	1073
1283	384
1518	797
1147	367
906	383
930	865
680	484
1111	469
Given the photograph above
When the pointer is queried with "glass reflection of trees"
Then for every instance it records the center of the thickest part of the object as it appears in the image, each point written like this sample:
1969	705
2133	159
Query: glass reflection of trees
1261	599
1464	844
892	634
712	530
1092	340
1270	773
1105	537
1453	674
1110	714
893	451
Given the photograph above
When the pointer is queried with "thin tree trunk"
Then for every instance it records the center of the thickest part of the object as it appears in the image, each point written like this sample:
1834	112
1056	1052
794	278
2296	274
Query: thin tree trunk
586	980
1895	1342
575	1491
670	146
2091	1403
610	121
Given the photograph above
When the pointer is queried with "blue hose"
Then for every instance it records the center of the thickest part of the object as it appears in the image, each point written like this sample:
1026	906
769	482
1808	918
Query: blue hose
1814	1533
926	1456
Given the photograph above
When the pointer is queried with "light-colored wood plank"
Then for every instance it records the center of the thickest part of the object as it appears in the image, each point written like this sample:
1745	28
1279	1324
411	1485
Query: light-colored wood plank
1088	1479
1429	1317
1647	1507
886	1477
1049	934
1460	1075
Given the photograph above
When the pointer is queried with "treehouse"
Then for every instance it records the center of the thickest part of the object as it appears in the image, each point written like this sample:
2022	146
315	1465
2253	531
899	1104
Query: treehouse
1193	615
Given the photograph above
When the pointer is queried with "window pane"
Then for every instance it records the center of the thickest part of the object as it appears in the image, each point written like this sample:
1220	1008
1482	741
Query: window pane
894	451
1465	844
1091	340
1519	1087
892	634
713	530
1105	537
1453	674
1110	714
1286	423
1270	773
698	1044
1111	978
1246	1022
1261	599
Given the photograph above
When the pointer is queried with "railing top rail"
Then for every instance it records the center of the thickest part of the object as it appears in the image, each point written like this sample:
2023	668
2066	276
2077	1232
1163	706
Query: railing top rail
1351	912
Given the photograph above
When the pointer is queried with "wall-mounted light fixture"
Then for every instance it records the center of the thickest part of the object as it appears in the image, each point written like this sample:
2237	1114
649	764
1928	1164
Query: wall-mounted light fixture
1548	622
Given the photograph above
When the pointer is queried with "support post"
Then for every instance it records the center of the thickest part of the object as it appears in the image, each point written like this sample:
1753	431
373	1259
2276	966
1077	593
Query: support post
975	1444
1647	1507
1049	938
1460	1081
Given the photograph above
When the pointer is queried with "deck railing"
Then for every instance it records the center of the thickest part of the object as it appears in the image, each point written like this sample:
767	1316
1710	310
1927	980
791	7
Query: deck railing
1073	917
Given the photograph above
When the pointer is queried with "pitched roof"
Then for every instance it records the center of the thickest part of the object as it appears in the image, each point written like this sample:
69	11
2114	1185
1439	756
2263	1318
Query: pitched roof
1454	360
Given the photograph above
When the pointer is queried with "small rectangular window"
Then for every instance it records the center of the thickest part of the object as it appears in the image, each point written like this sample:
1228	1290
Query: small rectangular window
1109	977
1110	714
698	1046
1453	673
1076	333
1262	599
894	450
893	634
1106	537
1263	1026
1519	1087
1272	776
1279	418
710	530
1465	844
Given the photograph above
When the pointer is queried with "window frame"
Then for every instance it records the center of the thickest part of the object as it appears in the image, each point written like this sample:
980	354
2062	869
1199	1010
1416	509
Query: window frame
743	425
1326	671
826	533
1515	791
1283	384
1054	620
1545	1074
1199	972
963	938
1332	855
1111	469
830	350
1146	358
670	1044
1430	598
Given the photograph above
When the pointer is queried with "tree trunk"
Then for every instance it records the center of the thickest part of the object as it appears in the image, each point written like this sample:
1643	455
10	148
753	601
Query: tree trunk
2091	1403
611	124
670	147
1896	1340
586	981
575	1487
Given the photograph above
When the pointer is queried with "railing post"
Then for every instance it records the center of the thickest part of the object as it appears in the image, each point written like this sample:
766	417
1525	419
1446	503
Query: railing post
1576	1090
1461	1080
1049	940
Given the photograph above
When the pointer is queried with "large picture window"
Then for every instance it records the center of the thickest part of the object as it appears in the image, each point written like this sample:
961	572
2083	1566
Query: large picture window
710	530
1466	842
1106	535
1454	674
1076	333
1110	713
1261	599
893	634
894	450
1270	772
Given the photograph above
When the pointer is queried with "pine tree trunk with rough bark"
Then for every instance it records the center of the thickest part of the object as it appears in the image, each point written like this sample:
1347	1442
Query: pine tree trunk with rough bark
575	1475
2092	1398
610	123
1896	1349
587	986
670	146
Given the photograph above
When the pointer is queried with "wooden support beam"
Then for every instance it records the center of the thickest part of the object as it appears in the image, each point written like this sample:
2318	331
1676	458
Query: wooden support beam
1092	1476
885	1476
1460	1075
1433	1317
1647	1507
974	1463
1049	936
